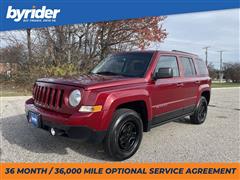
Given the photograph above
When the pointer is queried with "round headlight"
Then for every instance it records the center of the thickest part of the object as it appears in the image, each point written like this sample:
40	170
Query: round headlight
75	98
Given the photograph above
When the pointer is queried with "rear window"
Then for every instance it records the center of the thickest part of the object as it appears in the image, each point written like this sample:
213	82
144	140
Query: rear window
201	66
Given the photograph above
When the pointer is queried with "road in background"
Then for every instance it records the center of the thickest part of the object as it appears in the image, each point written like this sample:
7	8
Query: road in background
217	140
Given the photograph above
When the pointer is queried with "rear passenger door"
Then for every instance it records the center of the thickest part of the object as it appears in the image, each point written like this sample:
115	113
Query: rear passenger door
190	87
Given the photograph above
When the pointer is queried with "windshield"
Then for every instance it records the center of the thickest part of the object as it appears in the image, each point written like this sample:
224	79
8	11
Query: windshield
127	64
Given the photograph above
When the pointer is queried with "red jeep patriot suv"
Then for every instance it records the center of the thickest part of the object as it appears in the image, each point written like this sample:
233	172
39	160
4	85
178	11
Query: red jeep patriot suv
125	94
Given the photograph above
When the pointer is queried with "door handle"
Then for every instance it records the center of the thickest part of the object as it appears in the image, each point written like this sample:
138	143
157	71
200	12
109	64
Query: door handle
197	82
180	84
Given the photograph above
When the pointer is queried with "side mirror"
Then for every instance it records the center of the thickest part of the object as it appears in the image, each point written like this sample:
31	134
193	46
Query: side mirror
164	73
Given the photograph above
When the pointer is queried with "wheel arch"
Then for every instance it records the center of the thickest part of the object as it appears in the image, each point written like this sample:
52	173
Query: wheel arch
206	94
141	108
139	102
204	90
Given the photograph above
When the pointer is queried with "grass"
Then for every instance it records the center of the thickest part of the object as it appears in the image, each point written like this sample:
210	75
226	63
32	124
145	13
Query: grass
225	85
11	90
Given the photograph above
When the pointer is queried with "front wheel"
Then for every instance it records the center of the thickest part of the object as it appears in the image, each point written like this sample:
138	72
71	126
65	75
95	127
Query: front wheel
200	112
125	134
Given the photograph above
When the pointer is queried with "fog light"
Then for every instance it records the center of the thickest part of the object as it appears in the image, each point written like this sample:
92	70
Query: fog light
90	108
53	132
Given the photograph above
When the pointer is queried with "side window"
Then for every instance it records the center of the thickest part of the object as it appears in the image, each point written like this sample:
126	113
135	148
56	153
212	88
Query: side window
201	66
188	67
168	61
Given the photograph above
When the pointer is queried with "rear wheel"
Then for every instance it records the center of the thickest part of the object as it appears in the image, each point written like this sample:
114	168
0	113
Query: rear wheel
125	134
200	112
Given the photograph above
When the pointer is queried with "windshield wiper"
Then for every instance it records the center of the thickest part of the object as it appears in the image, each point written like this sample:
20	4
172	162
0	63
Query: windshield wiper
108	73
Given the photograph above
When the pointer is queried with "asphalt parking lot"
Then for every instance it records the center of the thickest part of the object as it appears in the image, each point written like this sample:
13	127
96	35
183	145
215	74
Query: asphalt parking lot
217	140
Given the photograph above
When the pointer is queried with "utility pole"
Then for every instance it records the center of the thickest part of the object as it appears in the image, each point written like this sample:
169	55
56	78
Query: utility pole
206	53
221	70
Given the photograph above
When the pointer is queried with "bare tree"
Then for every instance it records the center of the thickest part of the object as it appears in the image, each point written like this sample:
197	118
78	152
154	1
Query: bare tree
29	46
76	48
232	72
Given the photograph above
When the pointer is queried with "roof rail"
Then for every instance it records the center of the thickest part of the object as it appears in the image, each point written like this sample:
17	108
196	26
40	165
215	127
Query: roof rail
184	52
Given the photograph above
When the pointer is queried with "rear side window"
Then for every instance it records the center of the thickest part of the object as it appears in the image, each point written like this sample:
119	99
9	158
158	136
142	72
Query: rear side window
201	66
188	67
168	62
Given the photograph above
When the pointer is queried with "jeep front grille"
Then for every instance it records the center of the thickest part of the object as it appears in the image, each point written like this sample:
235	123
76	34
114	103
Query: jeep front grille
48	97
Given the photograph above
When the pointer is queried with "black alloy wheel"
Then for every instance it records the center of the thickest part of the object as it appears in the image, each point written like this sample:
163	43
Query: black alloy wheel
124	135
128	135
200	113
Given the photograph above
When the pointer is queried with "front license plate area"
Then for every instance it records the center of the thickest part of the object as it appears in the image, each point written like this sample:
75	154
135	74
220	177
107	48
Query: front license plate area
34	119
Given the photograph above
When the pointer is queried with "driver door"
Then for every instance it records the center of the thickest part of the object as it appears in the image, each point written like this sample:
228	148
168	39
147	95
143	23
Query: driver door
167	92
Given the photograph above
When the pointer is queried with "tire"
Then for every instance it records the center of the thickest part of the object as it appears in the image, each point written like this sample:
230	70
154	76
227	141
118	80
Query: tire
124	135
200	113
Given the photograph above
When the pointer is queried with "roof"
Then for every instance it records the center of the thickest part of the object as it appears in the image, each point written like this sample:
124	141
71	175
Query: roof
175	52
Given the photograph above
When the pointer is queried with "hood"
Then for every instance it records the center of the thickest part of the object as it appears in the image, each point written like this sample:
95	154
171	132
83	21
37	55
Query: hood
94	81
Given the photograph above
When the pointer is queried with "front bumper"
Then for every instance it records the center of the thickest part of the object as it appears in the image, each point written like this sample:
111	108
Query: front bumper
84	126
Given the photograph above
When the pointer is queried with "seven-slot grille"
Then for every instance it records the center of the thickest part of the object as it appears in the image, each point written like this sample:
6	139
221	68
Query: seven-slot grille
48	97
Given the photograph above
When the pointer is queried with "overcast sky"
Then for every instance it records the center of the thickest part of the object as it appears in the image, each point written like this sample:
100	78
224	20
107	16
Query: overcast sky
191	32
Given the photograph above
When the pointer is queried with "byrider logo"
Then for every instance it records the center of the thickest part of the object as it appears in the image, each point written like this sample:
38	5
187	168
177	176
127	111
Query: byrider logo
32	15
